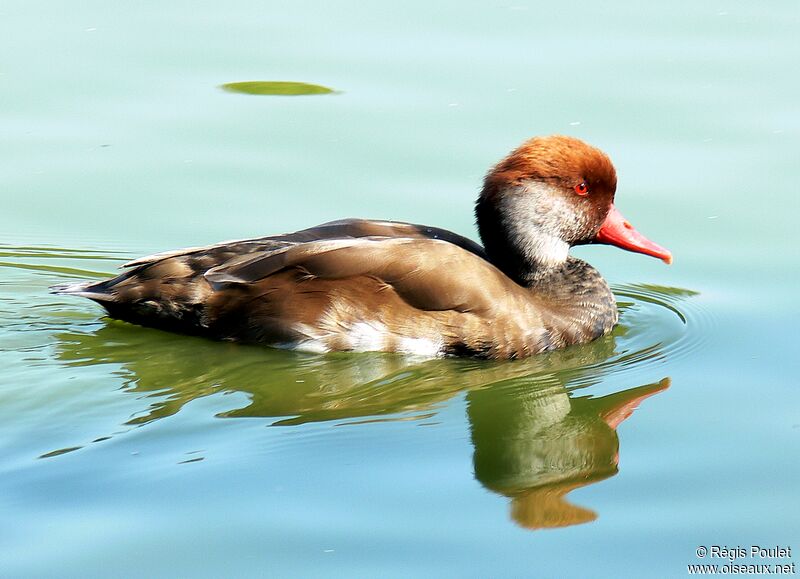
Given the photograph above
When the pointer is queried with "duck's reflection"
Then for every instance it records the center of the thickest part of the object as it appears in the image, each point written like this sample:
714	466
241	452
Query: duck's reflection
539	444
534	439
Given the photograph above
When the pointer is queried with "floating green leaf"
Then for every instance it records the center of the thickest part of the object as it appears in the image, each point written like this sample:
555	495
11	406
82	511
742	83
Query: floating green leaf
276	87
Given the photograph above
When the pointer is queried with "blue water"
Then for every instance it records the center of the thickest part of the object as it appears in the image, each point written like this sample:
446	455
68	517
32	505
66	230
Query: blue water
131	452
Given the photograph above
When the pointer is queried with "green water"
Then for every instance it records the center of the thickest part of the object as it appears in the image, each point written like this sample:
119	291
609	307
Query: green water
128	452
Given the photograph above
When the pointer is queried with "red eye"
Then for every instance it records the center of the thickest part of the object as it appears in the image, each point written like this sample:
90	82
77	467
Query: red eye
581	188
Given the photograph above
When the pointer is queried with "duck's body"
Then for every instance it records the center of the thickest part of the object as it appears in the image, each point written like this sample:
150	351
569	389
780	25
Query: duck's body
384	286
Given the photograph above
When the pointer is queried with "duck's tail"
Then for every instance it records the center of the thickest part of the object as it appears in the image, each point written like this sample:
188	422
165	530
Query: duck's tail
94	290
142	301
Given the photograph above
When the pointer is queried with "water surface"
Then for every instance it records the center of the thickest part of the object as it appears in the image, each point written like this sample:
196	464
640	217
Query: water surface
127	451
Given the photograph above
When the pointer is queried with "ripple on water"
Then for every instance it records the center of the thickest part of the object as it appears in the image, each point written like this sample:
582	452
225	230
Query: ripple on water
660	322
657	324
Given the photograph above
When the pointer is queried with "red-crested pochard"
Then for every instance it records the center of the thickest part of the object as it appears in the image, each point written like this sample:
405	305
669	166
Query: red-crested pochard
364	285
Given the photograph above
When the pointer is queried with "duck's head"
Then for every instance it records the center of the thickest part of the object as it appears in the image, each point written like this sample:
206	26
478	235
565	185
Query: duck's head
547	195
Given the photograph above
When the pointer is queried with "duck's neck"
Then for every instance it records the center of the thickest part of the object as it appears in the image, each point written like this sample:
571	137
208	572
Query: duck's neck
577	303
523	228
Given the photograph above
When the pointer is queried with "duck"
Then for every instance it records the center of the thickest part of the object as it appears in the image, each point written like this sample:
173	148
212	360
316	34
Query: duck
364	285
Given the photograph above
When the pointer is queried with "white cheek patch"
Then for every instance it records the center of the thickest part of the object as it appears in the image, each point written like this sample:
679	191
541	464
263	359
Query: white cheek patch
535	215
549	251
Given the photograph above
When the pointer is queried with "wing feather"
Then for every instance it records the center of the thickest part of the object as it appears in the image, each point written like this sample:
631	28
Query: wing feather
429	274
343	228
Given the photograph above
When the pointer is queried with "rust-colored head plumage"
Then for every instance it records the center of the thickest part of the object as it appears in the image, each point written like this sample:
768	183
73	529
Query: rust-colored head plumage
546	195
560	160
